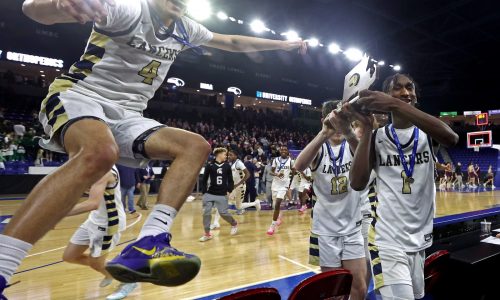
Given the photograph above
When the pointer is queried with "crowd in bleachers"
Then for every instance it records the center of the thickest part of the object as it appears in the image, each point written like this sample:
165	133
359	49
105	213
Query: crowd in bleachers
256	133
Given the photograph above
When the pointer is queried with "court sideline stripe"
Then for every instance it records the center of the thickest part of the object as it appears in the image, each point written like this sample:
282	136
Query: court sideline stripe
245	285
58	262
298	264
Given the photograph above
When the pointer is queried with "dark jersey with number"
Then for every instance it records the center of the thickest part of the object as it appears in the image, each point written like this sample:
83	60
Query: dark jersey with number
221	179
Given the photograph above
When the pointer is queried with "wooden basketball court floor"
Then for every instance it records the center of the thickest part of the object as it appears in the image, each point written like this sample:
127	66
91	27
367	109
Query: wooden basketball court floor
228	261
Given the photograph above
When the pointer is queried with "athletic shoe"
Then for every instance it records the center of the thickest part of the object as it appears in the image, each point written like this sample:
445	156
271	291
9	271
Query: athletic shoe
122	292
152	259
279	221
105	282
258	207
303	209
271	230
3	285
234	229
214	226
133	212
240	211
205	238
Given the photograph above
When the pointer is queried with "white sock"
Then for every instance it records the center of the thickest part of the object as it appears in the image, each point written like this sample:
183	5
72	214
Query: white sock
273	223
12	252
159	221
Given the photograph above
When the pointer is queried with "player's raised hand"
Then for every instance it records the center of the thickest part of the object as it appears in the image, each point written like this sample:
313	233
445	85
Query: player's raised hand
339	119
376	101
85	10
296	44
366	120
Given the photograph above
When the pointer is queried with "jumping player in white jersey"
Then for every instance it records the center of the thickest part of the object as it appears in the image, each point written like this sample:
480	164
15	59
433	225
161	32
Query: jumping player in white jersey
402	156
336	240
282	170
94	113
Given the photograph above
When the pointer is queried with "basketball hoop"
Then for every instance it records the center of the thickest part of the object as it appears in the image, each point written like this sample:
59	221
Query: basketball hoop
476	148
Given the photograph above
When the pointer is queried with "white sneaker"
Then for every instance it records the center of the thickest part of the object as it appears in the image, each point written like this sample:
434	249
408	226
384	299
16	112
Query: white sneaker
105	282
258	207
214	226
205	238
123	290
234	229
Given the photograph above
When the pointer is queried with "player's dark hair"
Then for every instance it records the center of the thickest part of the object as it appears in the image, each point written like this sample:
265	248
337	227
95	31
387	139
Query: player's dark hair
234	152
390	80
328	106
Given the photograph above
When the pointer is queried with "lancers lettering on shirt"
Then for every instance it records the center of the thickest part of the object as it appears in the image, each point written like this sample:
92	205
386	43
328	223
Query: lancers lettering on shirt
394	160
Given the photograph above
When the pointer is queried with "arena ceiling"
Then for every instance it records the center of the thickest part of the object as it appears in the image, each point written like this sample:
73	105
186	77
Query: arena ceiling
449	47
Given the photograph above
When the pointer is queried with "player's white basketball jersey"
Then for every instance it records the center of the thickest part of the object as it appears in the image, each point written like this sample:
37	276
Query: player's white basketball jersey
237	169
303	180
126	60
337	209
283	166
405	209
110	212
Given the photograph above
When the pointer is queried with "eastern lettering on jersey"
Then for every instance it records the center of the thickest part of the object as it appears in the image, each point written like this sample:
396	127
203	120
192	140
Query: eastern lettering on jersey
139	43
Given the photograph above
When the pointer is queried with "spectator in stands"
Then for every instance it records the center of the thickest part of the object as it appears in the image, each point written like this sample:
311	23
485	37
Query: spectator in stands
2	160
490	178
257	173
145	177
458	176
268	181
39	158
127	186
250	193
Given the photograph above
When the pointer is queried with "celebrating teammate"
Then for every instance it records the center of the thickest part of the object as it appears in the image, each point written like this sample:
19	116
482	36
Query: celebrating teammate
94	113
282	170
100	233
402	156
336	239
216	192
303	188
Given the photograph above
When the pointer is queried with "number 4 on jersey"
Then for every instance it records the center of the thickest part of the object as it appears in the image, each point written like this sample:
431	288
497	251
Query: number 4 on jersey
150	71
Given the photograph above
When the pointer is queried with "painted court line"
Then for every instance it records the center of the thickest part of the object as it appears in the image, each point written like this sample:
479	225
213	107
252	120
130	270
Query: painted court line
55	249
299	264
245	285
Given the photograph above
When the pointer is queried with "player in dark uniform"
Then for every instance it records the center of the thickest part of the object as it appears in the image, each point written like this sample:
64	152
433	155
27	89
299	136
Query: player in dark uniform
216	192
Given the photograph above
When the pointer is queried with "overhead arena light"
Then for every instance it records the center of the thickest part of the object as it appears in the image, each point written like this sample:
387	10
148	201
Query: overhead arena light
353	54
291	35
381	63
313	42
199	9
222	16
257	26
334	48
397	68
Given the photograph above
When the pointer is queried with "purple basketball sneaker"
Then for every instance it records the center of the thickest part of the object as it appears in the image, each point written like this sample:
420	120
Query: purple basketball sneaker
152	259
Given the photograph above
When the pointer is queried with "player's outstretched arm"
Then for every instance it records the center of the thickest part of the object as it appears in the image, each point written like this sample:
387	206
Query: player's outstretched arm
362	164
437	129
49	12
96	195
240	43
